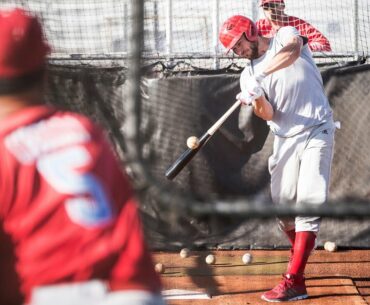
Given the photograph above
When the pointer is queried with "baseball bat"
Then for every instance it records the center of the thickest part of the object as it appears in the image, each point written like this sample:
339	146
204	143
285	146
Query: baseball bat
188	154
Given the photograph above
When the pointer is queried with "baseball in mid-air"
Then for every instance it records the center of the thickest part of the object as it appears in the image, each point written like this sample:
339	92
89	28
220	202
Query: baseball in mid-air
210	259
330	246
192	142
184	253
159	267
247	258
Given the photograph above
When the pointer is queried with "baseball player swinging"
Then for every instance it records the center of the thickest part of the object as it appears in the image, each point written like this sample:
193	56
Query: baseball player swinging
285	88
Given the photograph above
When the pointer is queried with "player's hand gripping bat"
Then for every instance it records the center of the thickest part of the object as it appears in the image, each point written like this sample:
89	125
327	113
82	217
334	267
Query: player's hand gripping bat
188	154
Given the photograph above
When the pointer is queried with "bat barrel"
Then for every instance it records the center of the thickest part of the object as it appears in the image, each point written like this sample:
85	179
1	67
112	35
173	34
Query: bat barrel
185	158
179	164
188	154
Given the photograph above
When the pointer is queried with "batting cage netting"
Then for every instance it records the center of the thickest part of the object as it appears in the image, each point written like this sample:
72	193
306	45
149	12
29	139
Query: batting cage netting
153	73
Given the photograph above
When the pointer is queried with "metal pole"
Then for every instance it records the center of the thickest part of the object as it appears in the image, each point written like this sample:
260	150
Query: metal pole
169	27
355	29
156	26
133	101
126	25
215	29
255	8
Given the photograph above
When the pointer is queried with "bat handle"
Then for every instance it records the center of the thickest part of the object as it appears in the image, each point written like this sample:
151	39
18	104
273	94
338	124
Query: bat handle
222	119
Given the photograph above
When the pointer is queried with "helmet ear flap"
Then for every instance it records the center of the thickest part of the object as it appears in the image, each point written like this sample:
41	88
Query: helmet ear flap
253	33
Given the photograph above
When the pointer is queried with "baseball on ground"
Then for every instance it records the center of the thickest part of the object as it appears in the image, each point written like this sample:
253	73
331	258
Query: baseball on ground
159	267
330	246
192	142
247	258
210	259
184	253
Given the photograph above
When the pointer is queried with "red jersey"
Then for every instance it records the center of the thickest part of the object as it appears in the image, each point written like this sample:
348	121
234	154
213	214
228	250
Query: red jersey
67	206
316	40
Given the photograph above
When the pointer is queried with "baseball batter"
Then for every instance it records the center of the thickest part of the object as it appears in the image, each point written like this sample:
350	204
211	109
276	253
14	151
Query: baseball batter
70	229
285	88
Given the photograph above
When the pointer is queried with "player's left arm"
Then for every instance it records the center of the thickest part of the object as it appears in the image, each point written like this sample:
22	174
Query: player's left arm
291	43
287	55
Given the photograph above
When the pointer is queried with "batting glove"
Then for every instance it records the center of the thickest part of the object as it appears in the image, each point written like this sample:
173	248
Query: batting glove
253	85
246	98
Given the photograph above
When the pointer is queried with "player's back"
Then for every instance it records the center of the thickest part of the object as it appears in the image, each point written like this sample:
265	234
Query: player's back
67	206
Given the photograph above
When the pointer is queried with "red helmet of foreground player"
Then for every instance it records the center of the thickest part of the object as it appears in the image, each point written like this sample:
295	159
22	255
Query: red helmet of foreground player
234	27
23	49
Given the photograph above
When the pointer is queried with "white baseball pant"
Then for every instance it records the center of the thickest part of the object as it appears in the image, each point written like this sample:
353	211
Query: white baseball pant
300	170
92	292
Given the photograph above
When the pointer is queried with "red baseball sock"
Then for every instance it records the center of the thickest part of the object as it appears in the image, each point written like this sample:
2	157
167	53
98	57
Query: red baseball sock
291	236
303	245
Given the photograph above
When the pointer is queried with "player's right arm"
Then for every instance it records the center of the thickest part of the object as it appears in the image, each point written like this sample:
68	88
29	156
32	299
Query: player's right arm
262	108
252	94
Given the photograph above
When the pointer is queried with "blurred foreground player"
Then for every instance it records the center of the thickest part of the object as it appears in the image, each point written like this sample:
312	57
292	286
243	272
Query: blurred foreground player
284	86
67	211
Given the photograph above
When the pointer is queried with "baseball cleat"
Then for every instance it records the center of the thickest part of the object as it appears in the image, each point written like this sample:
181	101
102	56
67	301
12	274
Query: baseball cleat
291	288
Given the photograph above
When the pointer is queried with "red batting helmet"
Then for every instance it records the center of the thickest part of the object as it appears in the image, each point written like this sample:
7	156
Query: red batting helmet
234	27
262	2
23	49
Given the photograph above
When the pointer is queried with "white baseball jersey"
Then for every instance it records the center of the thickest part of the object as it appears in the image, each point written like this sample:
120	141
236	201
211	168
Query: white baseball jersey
295	93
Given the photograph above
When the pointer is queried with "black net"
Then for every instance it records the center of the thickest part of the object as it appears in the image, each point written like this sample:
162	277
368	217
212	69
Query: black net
187	31
234	161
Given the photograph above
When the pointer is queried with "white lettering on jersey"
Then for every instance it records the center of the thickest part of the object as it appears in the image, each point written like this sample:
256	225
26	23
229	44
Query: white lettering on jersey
28	143
54	146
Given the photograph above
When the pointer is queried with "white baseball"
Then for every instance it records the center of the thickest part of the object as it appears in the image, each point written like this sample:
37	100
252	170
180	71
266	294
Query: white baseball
159	267
192	142
210	259
184	253
247	258
330	246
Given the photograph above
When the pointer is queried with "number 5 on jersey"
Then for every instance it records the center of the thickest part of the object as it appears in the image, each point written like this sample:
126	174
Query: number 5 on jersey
89	205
